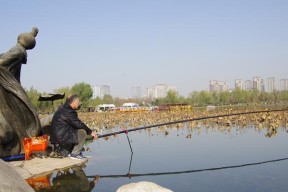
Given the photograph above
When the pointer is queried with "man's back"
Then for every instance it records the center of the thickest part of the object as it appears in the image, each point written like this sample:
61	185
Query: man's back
63	131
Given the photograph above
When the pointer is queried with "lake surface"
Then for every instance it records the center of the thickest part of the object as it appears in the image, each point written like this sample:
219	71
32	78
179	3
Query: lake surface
242	159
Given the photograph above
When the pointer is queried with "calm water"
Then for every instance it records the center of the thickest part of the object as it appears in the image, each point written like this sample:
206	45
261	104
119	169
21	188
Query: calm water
186	164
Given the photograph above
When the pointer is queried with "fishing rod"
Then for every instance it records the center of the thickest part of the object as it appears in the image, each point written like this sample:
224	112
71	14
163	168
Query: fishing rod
183	121
189	171
186	120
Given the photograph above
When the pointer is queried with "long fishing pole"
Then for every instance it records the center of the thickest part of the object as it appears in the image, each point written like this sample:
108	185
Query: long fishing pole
182	121
185	120
189	171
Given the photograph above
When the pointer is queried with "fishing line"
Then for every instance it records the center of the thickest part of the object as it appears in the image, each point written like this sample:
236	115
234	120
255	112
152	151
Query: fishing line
190	171
187	120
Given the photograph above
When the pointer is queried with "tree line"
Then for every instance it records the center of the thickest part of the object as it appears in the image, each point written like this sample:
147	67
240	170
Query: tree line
196	98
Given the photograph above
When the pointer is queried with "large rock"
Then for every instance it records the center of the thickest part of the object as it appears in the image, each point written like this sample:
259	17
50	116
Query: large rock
11	180
142	186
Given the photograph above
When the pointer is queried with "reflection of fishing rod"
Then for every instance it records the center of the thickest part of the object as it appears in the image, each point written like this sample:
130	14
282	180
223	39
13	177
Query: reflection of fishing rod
189	171
187	120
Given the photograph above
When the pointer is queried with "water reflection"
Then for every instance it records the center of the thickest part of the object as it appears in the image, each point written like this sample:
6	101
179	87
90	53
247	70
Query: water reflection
130	175
71	179
202	158
75	179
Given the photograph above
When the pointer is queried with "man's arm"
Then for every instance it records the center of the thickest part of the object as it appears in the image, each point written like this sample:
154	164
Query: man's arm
73	120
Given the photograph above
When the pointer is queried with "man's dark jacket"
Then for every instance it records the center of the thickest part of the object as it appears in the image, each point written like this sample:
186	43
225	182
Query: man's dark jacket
64	126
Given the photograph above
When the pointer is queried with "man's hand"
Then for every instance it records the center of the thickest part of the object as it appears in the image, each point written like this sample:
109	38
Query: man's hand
94	134
96	179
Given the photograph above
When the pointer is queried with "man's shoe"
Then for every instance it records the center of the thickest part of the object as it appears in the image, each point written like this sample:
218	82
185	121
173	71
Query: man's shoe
78	157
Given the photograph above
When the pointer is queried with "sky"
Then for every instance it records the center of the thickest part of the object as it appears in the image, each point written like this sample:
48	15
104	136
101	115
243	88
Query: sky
126	43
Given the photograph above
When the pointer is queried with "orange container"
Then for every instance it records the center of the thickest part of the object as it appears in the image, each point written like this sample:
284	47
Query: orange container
39	183
39	143
27	142
34	144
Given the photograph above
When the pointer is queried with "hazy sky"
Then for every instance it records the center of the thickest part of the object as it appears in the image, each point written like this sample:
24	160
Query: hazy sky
122	43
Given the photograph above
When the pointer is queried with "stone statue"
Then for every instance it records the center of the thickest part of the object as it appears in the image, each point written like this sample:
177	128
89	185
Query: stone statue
18	117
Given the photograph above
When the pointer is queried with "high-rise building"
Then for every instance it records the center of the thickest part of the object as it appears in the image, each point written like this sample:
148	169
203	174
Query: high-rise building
223	86
239	84
150	92
216	85
136	92
271	85
96	91
105	90
248	85
212	85
100	91
283	84
159	91
258	84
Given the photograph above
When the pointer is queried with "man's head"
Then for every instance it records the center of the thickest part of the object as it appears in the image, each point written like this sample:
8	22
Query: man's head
74	102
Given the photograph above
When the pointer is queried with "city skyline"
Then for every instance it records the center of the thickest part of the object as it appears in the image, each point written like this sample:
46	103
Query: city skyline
160	90
257	83
143	43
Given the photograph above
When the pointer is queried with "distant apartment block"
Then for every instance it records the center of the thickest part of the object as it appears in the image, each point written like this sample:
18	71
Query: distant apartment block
105	90
248	85
149	92
159	91
283	84
216	85
96	91
271	85
212	85
136	92
239	84
258	84
100	91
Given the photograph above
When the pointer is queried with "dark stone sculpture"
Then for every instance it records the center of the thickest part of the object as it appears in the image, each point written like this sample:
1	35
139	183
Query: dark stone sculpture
18	117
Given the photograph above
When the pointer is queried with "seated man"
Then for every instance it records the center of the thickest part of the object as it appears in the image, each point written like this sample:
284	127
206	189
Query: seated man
68	130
